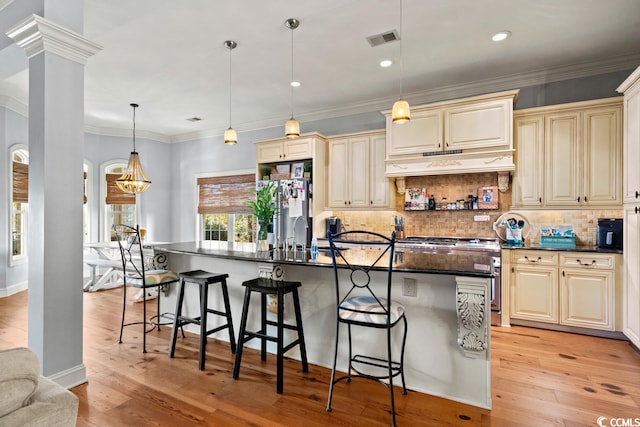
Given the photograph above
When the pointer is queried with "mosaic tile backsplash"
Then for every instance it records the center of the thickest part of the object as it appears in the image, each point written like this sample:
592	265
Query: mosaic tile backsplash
460	223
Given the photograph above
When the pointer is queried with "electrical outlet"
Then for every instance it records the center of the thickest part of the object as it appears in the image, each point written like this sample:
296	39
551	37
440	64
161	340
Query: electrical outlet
481	218
409	288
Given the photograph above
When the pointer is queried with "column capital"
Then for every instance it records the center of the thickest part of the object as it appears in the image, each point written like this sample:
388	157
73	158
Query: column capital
36	34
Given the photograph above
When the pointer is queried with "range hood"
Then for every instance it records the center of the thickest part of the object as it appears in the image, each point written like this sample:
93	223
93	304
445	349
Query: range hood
470	135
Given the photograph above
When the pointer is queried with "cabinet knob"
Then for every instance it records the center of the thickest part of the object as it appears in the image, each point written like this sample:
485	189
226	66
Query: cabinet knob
636	208
345	202
585	199
578	199
539	199
637	194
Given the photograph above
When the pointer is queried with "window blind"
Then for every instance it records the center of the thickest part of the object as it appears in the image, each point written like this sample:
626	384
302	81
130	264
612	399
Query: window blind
20	182
116	196
226	194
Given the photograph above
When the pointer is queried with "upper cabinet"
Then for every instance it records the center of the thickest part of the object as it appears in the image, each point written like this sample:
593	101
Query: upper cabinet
356	172
280	150
464	135
569	155
631	89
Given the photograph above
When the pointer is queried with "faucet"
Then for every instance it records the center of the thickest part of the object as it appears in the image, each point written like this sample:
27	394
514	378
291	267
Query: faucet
306	225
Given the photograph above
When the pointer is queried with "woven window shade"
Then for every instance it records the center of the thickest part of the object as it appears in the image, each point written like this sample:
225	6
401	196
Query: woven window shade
226	194
115	196
20	182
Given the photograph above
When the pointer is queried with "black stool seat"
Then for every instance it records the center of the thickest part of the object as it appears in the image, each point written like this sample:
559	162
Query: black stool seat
203	279
279	288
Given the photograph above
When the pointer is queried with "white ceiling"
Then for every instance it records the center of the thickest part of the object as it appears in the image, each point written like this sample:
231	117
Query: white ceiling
169	56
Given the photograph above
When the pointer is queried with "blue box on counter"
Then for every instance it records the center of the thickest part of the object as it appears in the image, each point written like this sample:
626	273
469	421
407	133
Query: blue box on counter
561	242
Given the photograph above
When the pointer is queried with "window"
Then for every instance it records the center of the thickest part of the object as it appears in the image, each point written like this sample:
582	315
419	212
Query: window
119	207
19	202
224	217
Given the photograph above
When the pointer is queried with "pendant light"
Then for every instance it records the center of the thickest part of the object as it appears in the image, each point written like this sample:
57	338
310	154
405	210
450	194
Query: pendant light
230	136
401	112
292	127
133	179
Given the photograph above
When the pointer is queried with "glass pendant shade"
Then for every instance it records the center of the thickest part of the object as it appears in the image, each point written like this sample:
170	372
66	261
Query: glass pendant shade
292	128
230	137
133	180
400	112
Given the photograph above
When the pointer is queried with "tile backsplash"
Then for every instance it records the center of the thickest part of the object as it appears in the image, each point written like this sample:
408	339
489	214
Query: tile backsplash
460	223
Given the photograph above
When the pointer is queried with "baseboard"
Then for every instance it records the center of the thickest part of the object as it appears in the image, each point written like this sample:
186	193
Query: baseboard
572	329
71	377
14	289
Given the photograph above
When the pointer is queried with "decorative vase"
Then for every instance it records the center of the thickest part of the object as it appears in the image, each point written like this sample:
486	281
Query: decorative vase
263	243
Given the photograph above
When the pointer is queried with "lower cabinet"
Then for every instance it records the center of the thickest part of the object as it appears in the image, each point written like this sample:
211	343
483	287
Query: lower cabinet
566	288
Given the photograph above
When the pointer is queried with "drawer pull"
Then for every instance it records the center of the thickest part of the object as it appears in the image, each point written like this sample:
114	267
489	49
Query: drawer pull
593	262
532	260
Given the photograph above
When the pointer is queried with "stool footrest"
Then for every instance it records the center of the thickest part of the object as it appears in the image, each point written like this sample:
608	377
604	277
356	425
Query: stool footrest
284	325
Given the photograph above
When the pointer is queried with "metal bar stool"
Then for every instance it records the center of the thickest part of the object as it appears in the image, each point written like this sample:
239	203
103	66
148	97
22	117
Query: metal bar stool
203	279
279	288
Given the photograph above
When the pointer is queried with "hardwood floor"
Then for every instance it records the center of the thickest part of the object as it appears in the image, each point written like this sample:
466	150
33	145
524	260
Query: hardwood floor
539	378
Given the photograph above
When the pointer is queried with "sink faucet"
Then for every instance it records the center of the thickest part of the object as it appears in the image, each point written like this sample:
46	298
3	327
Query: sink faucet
306	225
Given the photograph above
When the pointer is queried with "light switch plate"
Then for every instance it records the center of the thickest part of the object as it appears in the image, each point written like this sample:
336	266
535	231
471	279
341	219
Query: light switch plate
481	218
409	287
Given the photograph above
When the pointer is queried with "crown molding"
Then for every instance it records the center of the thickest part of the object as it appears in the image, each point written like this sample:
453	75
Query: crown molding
36	34
5	3
14	105
125	133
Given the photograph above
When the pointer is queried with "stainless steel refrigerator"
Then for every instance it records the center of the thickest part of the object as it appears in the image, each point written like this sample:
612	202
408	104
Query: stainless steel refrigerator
293	221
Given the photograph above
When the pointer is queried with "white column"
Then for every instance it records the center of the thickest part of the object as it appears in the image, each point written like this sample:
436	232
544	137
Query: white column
56	150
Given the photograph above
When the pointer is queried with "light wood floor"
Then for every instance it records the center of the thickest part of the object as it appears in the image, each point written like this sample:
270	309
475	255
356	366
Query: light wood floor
539	378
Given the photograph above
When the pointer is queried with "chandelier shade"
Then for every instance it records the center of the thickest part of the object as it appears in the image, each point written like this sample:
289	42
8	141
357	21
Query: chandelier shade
133	180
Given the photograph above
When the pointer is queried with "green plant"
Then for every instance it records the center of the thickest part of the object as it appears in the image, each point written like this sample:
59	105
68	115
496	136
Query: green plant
264	207
307	166
265	171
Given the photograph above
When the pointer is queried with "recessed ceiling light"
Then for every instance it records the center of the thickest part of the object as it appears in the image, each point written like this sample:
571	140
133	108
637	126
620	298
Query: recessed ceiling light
295	84
502	35
386	63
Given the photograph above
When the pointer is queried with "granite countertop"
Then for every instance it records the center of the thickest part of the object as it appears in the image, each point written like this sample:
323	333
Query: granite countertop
459	263
577	248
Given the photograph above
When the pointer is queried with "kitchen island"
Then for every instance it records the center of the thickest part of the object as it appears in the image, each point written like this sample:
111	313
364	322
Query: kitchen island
448	342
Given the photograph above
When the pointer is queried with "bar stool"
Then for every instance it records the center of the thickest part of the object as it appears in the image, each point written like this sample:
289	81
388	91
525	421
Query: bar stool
203	279
279	288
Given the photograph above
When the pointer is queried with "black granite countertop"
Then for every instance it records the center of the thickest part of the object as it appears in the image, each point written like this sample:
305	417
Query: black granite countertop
577	248
454	262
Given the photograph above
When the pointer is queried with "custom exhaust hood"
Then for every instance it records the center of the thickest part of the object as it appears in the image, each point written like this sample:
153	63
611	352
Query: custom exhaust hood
470	135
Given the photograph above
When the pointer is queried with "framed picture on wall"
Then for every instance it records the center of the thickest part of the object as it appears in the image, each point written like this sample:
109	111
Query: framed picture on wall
488	197
297	170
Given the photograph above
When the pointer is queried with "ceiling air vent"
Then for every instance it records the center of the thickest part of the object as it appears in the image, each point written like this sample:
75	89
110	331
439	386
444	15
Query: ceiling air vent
387	37
194	119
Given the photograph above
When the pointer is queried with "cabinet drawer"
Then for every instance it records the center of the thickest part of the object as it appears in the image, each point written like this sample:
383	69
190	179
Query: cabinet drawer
587	260
535	258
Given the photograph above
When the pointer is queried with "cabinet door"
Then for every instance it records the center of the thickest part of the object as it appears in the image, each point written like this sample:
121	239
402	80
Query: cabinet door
358	172
534	293
338	161
631	294
587	298
486	124
298	149
602	157
562	159
268	152
632	146
422	133
379	183
528	177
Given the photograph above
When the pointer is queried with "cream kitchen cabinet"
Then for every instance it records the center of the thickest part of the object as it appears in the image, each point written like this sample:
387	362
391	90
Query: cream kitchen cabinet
356	172
477	130
569	156
566	288
631	172
281	150
534	286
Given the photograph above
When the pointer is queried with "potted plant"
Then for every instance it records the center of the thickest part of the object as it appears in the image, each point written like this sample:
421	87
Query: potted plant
264	207
307	169
265	172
